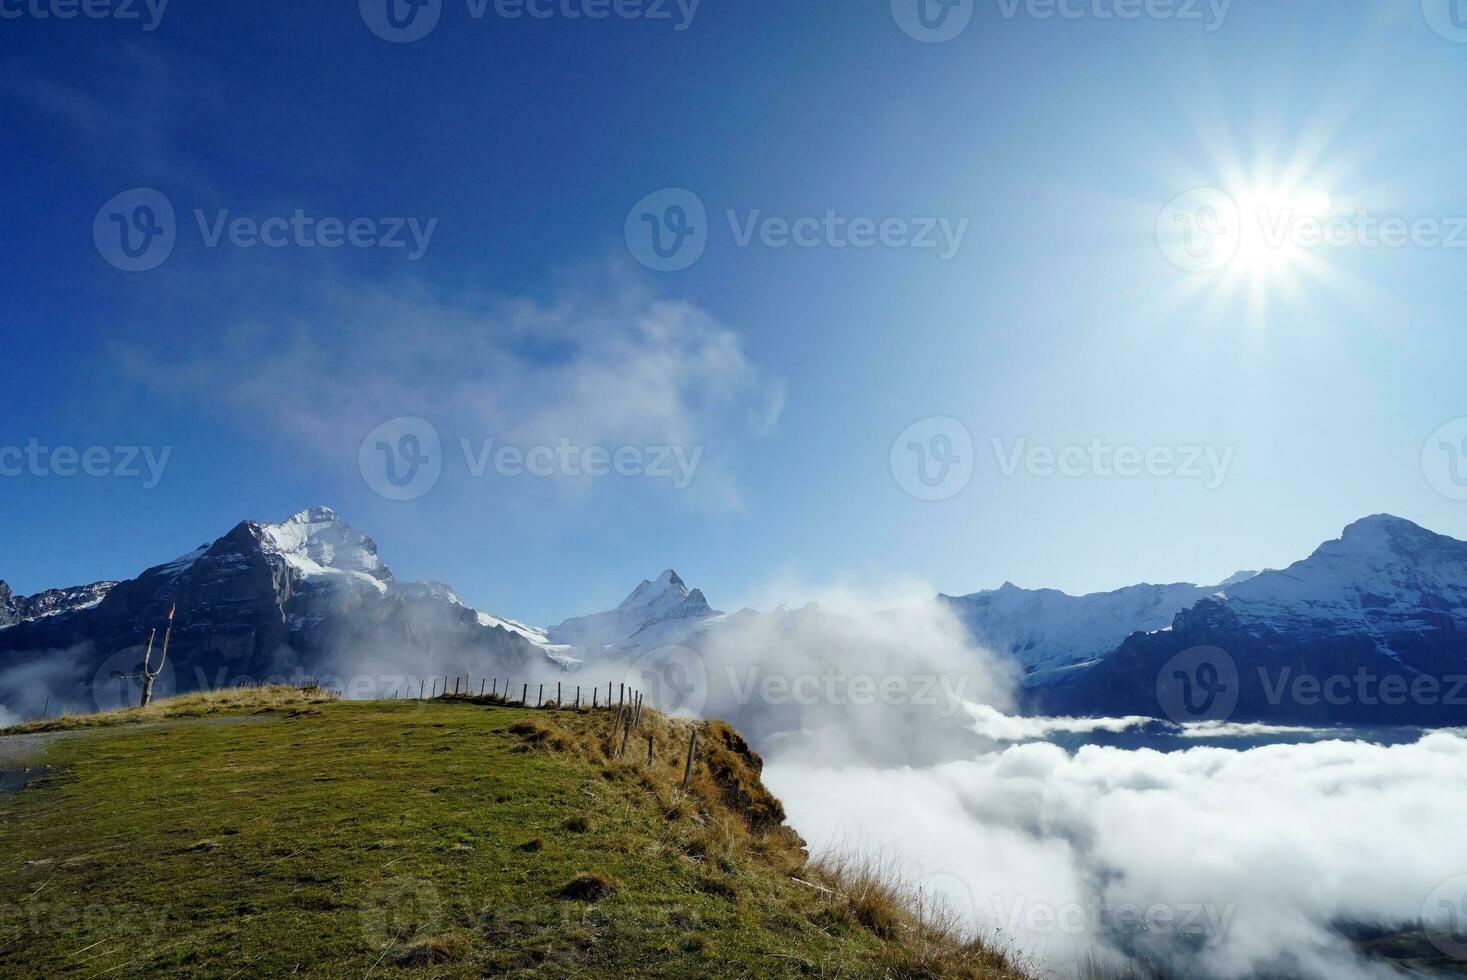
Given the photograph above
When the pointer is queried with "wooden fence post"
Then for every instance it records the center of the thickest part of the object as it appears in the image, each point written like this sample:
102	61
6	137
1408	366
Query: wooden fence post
595	693
558	704
540	698
692	749
626	734
524	693
649	750
578	697
621	695
435	688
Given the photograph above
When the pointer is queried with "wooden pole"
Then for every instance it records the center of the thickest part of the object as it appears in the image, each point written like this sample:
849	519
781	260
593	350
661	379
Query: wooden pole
626	734
692	749
621	696
540	698
456	682
595	693
649	750
524	695
608	694
435	688
421	682
47	709
557	695
578	697
482	684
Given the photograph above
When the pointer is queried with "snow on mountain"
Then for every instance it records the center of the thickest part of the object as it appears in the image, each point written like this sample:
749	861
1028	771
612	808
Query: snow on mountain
1382	577
1384	604
15	609
317	543
658	613
1046	629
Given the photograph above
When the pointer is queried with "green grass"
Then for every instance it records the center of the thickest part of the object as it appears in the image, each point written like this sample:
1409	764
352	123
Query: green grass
426	839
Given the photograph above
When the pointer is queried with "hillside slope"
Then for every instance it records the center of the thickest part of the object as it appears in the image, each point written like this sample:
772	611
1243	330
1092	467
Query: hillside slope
438	838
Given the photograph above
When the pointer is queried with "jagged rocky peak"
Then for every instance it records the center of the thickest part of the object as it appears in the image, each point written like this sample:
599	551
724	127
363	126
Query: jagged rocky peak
16	608
318	540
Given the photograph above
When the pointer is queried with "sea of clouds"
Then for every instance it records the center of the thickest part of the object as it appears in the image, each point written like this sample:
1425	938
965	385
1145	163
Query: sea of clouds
1206	862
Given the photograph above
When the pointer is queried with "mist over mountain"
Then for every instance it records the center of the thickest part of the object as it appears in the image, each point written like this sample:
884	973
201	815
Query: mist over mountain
311	595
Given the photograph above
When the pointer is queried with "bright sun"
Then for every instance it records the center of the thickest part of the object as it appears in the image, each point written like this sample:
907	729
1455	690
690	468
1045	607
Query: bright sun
1273	227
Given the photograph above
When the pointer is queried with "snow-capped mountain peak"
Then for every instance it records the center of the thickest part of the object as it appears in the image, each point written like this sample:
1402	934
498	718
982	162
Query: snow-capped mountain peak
318	542
658	612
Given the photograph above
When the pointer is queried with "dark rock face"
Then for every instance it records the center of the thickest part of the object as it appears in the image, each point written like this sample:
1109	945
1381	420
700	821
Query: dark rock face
284	602
14	608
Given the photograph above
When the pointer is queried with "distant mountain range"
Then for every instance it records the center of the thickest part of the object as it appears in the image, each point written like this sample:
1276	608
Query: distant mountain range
1384	604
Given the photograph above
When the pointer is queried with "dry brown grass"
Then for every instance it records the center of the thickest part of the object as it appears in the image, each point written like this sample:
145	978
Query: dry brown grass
728	820
925	937
200	704
589	886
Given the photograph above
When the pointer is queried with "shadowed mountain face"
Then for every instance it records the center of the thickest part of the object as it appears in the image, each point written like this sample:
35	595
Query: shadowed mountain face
1370	629
289	600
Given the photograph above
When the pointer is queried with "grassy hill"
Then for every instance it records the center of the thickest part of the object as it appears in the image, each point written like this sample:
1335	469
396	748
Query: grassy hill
271	833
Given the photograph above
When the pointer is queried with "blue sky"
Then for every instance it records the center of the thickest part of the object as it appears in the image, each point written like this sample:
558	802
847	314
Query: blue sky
1055	144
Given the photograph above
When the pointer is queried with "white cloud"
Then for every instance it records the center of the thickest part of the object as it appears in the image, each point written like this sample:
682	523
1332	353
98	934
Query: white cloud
1270	845
606	363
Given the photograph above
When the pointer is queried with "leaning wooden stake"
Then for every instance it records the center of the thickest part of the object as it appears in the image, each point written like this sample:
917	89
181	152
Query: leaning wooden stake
524	694
149	676
688	769
649	750
625	735
540	698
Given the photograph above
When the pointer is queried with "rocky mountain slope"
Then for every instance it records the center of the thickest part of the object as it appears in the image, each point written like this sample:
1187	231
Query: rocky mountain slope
1370	628
306	596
